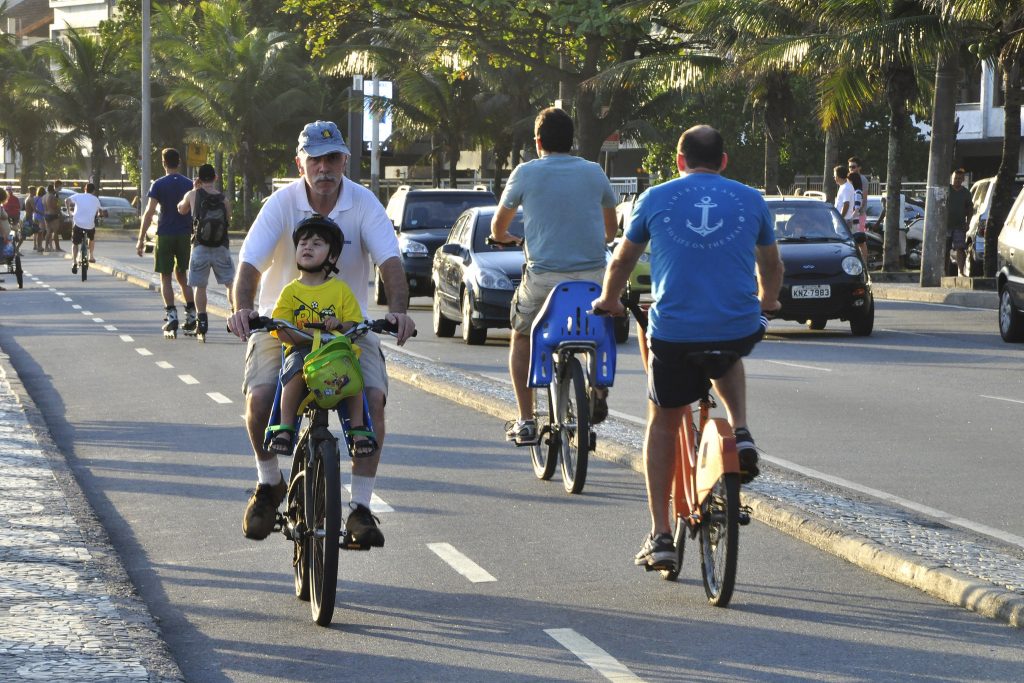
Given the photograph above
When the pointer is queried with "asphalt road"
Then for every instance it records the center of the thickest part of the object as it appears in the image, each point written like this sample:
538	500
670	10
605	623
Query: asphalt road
162	456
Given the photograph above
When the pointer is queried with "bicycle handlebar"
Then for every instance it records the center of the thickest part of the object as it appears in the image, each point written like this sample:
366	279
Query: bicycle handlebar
382	326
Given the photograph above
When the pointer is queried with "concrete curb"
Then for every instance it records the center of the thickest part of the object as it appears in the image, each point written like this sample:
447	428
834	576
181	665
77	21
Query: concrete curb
941	582
936	295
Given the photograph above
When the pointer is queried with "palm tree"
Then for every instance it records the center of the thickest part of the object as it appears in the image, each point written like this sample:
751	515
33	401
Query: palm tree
24	118
89	89
242	84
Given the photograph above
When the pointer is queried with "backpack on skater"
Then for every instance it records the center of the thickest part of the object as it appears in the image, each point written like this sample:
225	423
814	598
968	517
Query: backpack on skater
210	225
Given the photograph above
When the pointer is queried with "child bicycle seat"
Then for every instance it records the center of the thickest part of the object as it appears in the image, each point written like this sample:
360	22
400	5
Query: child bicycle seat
564	319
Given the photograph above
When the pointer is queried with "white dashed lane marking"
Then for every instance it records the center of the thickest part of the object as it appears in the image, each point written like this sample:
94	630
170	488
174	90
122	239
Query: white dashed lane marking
164	364
460	563
127	338
143	352
591	655
76	306
218	397
66	298
112	328
1002	398
798	365
97	320
188	379
377	504
86	312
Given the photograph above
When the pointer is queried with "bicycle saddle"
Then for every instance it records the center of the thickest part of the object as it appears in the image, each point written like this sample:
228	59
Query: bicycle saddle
564	319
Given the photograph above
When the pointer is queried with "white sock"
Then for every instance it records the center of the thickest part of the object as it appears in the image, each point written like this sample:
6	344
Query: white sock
362	490
268	470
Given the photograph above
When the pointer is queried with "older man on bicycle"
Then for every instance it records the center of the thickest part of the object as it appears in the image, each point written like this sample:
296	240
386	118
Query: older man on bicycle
267	264
568	217
714	268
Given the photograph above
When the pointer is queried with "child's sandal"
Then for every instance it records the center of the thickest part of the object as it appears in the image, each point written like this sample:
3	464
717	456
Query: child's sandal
281	443
364	443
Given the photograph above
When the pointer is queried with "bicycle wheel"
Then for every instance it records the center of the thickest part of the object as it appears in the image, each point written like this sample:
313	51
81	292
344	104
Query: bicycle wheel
323	522
19	274
574	426
84	268
544	455
296	513
719	539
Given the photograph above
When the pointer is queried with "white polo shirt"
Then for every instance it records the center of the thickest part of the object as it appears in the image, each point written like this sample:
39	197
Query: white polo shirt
369	235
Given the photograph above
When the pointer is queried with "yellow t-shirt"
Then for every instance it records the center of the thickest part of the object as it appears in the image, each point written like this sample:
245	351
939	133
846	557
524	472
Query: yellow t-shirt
300	304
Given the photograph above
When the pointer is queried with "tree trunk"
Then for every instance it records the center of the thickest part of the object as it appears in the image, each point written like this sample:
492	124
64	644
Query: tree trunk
896	93
771	163
1003	197
435	162
831	157
453	165
940	159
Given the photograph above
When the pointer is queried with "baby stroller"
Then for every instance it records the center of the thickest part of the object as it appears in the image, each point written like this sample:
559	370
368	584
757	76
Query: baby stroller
11	256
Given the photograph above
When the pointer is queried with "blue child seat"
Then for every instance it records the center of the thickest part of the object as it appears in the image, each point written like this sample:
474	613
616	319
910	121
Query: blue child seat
564	318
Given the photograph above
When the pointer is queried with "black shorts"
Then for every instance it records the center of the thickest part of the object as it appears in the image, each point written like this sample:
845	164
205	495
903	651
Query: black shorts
676	378
78	233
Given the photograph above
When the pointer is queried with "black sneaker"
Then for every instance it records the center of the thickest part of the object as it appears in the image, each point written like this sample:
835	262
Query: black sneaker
600	413
657	553
361	527
261	512
747	454
74	267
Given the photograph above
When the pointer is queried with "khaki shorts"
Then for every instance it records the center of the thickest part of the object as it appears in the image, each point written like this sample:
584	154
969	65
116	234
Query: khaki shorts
204	259
263	362
533	292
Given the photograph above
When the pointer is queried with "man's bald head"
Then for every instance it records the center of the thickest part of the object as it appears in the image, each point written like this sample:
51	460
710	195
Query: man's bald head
702	147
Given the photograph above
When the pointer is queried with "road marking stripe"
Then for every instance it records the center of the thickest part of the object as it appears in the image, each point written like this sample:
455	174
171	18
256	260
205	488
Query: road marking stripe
112	328
66	298
164	364
591	655
143	352
798	365
460	563
75	306
945	517
218	397
98	320
60	294
127	338
377	504
86	312
188	379
1002	398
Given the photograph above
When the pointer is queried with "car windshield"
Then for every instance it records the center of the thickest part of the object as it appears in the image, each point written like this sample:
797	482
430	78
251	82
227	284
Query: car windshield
119	202
483	229
810	221
438	212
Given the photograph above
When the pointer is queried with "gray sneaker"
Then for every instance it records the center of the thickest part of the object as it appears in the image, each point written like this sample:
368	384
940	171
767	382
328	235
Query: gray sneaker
657	553
261	512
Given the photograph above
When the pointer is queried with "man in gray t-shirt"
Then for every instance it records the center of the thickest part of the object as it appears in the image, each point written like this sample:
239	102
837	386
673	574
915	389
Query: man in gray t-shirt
568	216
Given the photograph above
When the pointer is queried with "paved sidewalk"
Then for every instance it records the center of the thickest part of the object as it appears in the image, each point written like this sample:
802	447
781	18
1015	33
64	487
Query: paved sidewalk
69	611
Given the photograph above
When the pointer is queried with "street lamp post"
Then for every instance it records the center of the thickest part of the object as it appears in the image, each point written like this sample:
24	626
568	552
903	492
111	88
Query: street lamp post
144	144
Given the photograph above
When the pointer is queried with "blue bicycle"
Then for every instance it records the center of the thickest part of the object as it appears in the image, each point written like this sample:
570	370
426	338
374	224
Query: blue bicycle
566	338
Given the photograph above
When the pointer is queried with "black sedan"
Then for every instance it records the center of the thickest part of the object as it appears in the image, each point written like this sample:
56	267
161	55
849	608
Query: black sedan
474	281
825	277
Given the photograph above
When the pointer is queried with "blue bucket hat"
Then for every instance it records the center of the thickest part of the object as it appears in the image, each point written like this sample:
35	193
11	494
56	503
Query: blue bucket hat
320	138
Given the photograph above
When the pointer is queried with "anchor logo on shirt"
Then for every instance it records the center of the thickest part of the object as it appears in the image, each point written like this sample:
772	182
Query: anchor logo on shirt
704	229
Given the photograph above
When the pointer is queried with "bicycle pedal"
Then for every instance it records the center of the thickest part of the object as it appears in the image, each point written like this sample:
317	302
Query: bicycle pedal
349	543
279	522
744	516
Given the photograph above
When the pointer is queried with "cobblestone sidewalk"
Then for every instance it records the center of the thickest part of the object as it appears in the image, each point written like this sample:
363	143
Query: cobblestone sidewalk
60	620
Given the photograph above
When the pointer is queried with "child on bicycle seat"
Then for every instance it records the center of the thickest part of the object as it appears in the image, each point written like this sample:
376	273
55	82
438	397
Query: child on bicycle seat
315	297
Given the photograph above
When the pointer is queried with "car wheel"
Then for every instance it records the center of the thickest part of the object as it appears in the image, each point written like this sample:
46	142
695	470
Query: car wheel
474	336
621	326
862	323
1011	321
443	327
379	296
817	323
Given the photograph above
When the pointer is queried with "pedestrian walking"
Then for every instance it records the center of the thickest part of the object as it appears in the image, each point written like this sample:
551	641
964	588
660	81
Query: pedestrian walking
51	213
173	236
958	215
39	218
211	216
860	202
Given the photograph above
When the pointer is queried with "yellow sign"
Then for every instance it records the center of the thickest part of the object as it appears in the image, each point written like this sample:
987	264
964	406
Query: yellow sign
197	153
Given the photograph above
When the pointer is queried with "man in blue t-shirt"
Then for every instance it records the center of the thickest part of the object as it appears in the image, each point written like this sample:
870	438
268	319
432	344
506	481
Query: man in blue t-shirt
173	240
714	268
568	216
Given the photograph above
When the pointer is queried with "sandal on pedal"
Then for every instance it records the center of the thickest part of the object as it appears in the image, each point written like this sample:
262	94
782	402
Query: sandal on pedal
281	444
364	442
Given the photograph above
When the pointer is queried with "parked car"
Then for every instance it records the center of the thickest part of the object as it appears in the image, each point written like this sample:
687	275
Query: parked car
119	212
639	282
66	222
825	278
473	281
423	219
982	193
1010	273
